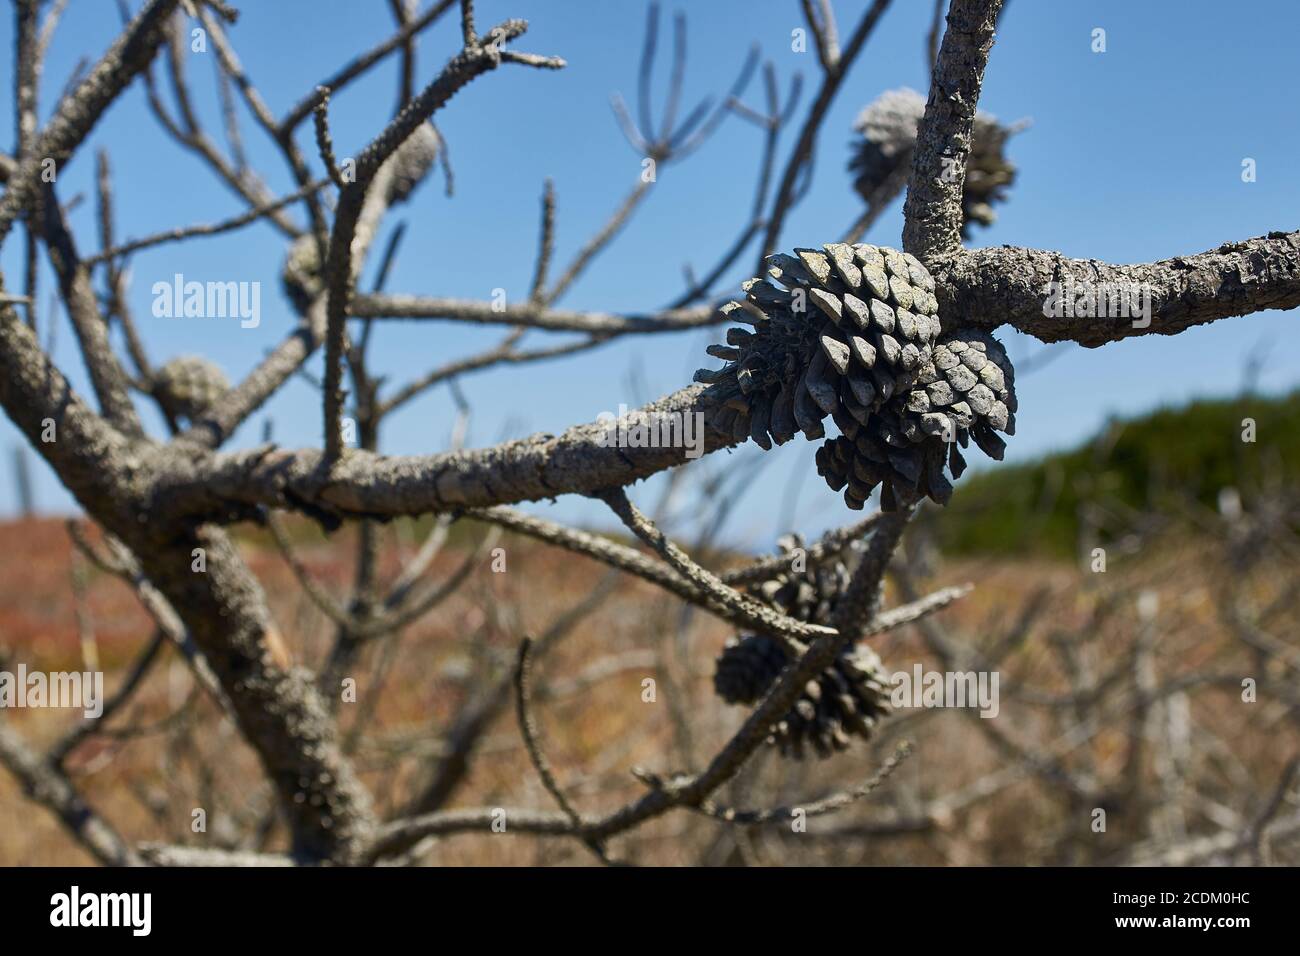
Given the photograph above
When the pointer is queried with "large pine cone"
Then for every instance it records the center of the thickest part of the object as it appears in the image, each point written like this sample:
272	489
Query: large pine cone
188	385
966	391
847	699
852	326
884	154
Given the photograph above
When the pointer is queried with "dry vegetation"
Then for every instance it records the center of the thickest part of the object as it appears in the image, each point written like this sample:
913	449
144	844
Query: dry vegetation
1100	707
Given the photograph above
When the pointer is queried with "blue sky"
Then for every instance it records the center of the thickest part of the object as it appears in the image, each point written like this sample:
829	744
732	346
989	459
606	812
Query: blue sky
1133	154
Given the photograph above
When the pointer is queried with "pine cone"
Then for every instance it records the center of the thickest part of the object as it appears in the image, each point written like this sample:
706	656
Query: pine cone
852	326
846	699
988	172
747	667
888	129
412	162
887	126
966	391
188	385
807	595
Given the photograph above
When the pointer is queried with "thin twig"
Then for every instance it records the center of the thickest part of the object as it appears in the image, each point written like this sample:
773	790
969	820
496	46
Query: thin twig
528	729
814	808
725	600
324	142
206	229
800	161
545	244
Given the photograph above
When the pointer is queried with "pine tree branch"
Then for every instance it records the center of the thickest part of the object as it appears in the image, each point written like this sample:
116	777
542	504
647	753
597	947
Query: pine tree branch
932	213
1010	285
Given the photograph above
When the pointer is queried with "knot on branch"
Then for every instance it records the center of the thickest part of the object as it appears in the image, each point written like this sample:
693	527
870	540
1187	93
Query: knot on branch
189	385
672	786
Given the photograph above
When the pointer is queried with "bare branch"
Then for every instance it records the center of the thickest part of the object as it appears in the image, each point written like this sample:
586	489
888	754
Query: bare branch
349	72
78	113
933	37
404	13
463	68
394	306
821	20
45	783
134	680
599	241
830	546
324	142
473	720
242	181
181	233
801	157
27	72
933	213
727	601
545	244
528	728
594	546
991	286
813	808
220	421
582	460
503	354
318	594
121	563
106	374
157	854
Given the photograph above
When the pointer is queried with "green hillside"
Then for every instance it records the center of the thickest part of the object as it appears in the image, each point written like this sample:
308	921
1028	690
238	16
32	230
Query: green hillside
1156	461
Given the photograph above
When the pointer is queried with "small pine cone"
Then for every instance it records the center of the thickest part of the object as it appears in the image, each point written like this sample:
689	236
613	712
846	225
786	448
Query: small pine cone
884	154
845	700
412	162
887	126
988	172
852	327
746	668
188	385
848	699
301	275
966	391
809	595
